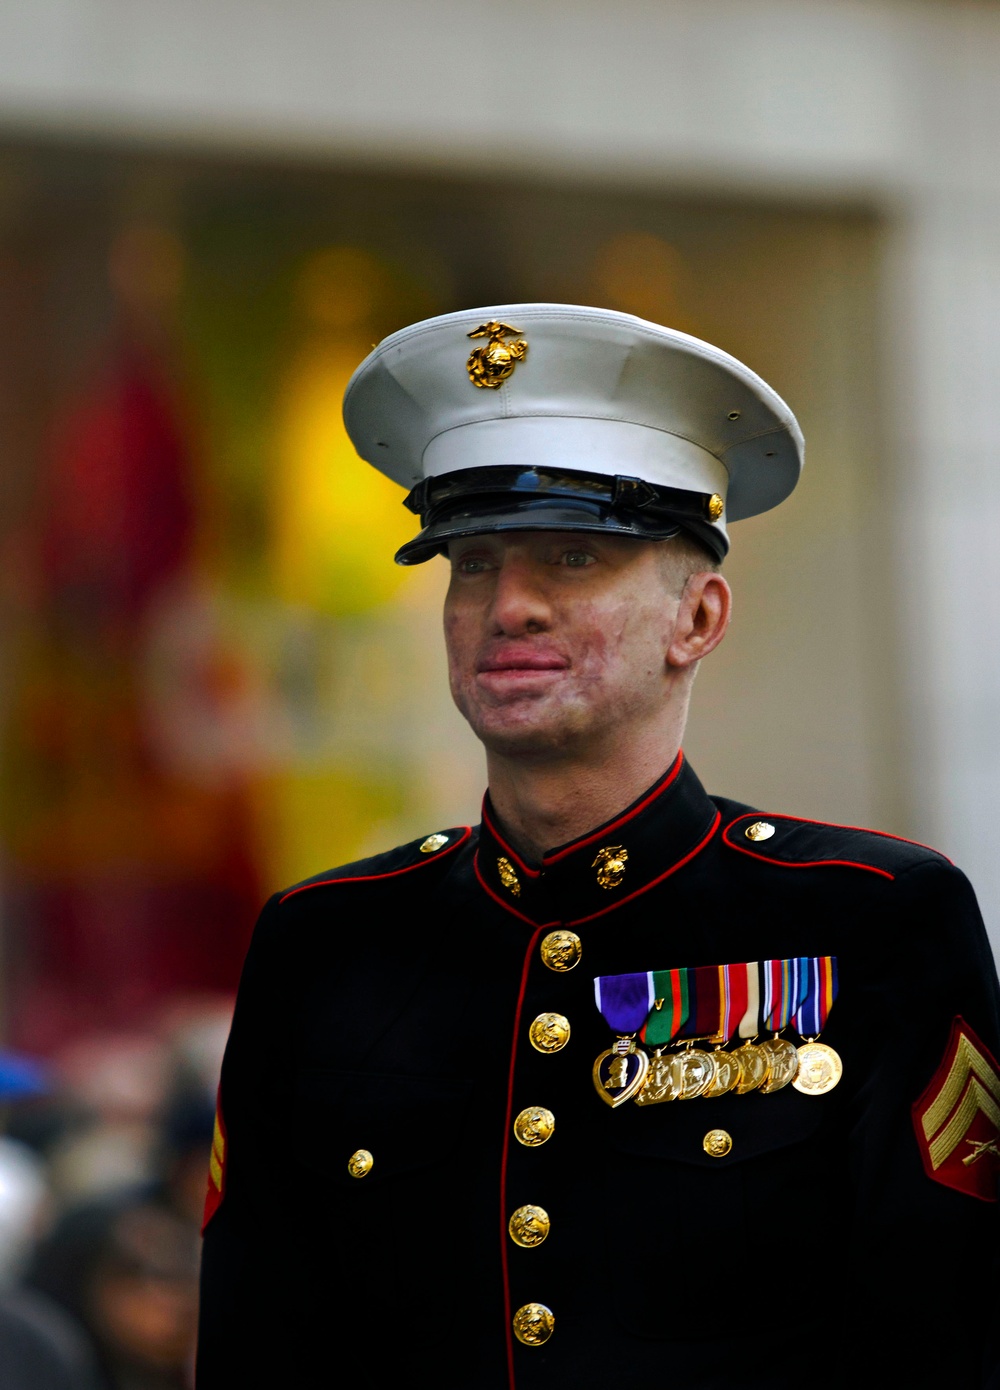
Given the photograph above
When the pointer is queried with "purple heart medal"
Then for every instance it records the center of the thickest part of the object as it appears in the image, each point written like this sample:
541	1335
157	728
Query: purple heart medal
624	1002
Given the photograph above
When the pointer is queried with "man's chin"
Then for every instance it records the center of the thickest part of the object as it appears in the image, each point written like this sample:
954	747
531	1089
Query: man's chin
527	738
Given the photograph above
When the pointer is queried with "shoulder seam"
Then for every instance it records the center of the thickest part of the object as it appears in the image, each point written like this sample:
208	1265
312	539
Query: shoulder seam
818	863
373	878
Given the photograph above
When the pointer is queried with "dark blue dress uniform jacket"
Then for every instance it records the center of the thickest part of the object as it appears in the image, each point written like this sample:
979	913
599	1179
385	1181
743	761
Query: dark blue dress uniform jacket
385	1006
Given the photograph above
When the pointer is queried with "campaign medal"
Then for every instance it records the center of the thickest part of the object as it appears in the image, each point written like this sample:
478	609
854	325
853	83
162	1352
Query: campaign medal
671	1006
727	1074
782	1063
820	1068
624	1002
753	1067
749	1058
669	1013
785	985
692	1072
733	1002
660	1083
694	1069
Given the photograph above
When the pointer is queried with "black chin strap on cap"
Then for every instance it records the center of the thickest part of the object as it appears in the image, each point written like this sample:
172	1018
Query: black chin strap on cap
480	500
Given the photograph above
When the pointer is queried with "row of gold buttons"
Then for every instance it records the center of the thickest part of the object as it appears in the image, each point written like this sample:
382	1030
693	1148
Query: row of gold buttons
529	1226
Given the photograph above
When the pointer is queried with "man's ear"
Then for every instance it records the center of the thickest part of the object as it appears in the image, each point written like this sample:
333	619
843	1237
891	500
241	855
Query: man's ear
702	618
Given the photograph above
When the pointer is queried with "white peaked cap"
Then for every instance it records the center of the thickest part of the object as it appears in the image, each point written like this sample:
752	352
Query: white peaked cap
585	392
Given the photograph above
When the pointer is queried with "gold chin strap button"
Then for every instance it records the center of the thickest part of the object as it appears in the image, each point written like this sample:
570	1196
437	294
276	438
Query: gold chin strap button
534	1126
760	830
549	1033
359	1165
529	1226
533	1324
717	1143
561	950
433	843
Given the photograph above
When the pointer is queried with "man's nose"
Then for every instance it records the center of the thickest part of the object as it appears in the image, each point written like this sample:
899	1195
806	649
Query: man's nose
520	603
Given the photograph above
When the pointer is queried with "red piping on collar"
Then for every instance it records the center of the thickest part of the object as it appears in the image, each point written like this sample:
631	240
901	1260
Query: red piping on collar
646	886
496	896
504	1237
605	830
373	878
819	863
525	868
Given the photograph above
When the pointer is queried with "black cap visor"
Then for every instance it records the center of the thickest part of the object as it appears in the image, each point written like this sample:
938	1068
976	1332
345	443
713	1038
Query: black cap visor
476	502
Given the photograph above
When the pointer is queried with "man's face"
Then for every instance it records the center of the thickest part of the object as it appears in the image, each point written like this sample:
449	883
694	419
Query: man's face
556	640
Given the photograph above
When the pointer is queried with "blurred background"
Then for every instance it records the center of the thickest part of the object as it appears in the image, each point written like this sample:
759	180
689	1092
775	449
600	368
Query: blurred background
213	680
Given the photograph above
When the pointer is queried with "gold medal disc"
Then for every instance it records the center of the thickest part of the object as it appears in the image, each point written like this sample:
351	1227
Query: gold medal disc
660	1084
753	1067
692	1071
820	1068
783	1063
727	1074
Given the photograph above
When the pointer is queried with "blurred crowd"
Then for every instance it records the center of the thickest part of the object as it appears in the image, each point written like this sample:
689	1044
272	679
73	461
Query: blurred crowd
103	1162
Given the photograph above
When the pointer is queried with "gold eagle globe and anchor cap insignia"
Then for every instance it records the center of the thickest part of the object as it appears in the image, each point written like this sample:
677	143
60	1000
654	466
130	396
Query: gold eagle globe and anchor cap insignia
610	424
489	366
610	865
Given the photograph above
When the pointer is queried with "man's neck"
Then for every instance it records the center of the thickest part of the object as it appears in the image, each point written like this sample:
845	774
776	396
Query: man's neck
545	804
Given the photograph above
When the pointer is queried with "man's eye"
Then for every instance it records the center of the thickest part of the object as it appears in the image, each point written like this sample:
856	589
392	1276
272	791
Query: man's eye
471	564
577	559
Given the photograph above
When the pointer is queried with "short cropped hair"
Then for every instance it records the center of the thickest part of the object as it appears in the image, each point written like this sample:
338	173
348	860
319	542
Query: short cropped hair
684	555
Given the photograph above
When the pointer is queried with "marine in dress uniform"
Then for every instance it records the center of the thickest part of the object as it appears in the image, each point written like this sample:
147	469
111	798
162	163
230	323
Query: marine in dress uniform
465	1135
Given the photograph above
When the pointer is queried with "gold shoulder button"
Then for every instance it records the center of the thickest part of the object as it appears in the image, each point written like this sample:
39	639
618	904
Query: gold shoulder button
433	843
760	830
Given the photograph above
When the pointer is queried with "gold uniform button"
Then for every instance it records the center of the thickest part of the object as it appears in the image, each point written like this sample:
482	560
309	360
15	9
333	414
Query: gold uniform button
534	1126
433	843
529	1226
561	950
717	1143
533	1324
549	1033
760	830
359	1165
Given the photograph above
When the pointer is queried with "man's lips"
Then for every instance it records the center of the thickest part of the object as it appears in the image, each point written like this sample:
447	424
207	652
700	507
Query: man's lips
520	661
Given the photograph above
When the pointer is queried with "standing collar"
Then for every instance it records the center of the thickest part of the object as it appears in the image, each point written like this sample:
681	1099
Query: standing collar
608	866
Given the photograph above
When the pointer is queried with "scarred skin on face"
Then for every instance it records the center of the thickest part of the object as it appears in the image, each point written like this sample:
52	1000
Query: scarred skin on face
571	656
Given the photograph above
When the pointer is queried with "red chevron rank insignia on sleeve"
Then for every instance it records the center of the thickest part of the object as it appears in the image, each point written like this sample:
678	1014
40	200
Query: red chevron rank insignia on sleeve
957	1119
216	1167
